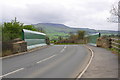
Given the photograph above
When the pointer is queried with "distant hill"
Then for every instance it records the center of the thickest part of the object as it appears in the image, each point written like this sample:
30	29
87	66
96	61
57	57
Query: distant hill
55	30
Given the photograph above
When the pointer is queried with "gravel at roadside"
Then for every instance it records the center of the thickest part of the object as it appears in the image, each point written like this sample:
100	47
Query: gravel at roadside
104	64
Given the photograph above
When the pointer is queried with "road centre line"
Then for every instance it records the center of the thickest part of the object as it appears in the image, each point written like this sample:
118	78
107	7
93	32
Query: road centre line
37	62
23	68
11	72
51	56
63	49
46	58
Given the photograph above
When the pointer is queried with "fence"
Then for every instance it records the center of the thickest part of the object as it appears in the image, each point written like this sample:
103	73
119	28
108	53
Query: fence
109	42
115	44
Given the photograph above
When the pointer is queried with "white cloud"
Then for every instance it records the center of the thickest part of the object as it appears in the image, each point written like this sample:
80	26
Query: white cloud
74	13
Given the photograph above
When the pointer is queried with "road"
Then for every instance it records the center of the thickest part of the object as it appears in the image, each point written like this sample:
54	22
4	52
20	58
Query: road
57	61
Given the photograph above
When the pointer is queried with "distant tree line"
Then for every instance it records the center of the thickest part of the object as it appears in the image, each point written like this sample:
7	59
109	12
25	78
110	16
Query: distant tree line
77	38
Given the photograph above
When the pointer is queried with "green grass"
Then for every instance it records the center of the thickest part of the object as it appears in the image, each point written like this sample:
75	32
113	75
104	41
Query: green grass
55	30
115	50
67	43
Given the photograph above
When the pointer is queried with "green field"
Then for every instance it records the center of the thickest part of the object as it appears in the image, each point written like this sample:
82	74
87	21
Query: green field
55	30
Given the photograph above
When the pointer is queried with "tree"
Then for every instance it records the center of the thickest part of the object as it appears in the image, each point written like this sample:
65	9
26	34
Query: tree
29	27
40	29
0	32
71	35
47	40
115	13
60	38
81	34
11	30
114	10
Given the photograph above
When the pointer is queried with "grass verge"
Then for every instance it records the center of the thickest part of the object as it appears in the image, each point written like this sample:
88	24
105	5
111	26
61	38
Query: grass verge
67	43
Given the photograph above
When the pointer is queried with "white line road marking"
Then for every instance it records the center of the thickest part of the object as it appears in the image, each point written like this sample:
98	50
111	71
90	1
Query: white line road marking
92	55
46	59
63	49
66	45
51	56
37	62
11	72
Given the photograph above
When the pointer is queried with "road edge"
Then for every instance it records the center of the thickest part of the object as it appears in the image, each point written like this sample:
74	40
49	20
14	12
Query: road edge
88	64
21	53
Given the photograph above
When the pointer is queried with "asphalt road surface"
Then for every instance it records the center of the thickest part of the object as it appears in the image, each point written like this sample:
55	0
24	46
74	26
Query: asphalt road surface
57	61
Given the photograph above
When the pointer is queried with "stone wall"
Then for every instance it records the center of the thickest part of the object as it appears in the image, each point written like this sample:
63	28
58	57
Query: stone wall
104	42
15	46
20	46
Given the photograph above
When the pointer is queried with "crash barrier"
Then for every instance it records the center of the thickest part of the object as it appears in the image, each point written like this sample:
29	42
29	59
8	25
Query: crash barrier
92	38
33	38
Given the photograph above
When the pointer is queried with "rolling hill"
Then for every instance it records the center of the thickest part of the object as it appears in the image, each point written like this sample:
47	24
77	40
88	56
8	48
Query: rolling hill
55	30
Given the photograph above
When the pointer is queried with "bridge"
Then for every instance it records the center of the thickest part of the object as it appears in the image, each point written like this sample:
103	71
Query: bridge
55	61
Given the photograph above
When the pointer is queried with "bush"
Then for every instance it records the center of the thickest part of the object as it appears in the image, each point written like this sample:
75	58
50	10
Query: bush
78	38
47	41
13	29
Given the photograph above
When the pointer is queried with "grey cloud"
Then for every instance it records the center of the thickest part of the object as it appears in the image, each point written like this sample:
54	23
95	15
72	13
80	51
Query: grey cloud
78	14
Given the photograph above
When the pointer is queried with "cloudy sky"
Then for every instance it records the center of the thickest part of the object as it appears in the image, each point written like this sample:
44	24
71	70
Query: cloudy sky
74	13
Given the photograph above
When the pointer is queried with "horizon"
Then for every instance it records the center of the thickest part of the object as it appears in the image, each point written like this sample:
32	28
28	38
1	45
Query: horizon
67	26
70	26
